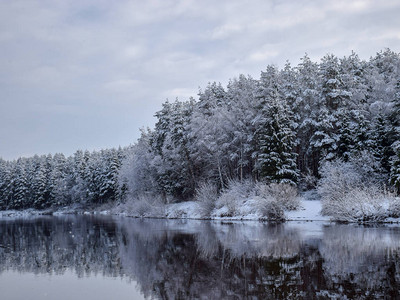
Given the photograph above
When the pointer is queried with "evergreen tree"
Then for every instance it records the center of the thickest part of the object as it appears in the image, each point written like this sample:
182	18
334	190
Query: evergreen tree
306	108
171	144
382	140
20	186
39	183
277	160
4	178
395	170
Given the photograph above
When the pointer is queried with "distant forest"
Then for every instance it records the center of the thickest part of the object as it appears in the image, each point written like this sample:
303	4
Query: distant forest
279	128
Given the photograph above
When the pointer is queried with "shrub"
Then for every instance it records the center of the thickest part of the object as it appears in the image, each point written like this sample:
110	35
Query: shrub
284	194
230	200
349	195
356	205
206	196
270	209
232	196
394	207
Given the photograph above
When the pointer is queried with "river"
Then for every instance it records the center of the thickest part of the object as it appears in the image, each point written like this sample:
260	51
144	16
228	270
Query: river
104	257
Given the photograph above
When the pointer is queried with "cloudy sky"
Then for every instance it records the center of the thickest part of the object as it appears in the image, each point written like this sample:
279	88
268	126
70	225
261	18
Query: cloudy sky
88	74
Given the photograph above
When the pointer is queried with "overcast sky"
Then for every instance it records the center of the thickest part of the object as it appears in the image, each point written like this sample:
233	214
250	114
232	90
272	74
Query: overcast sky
88	74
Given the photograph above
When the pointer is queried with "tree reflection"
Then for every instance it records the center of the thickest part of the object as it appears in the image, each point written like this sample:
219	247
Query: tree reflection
209	260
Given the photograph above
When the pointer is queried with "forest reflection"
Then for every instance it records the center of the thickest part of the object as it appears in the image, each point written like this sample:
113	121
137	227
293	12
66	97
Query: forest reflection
177	259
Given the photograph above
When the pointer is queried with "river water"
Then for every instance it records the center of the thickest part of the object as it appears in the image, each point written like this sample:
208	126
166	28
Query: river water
89	257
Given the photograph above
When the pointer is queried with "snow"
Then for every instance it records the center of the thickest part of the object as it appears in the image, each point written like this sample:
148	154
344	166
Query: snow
23	213
184	210
246	209
309	211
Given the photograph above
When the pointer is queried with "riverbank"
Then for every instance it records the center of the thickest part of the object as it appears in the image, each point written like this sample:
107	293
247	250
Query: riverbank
309	210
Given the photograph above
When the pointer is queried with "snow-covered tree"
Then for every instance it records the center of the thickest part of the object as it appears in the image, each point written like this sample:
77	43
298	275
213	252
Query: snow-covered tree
395	169
171	143
138	175
276	160
20	189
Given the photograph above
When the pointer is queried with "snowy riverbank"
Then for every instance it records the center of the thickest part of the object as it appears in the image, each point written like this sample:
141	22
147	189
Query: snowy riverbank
310	207
308	211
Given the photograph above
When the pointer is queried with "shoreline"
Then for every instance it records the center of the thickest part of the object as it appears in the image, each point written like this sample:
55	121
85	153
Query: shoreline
308	212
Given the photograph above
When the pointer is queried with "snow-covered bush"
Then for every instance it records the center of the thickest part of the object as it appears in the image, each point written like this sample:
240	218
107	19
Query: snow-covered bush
394	207
357	205
284	194
348	194
232	196
206	196
270	209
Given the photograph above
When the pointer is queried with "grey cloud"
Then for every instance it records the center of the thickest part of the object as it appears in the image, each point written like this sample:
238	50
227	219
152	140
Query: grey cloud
89	74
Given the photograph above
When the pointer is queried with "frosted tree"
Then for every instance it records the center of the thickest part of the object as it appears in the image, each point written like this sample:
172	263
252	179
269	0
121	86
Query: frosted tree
108	164
212	135
240	120
20	185
213	96
5	181
353	75
57	179
395	169
324	141
39	182
138	175
383	137
306	107
276	159
171	144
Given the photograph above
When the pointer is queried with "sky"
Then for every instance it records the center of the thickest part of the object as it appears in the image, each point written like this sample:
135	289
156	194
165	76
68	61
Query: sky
89	74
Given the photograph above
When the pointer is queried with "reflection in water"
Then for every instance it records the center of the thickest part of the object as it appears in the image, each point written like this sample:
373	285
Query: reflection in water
173	259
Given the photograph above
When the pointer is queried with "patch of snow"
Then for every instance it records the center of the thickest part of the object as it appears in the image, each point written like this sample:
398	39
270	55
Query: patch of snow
310	210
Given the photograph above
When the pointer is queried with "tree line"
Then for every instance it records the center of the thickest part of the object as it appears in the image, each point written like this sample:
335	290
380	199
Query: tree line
278	128
55	180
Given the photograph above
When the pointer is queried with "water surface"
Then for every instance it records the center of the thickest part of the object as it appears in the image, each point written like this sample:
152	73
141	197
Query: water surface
87	257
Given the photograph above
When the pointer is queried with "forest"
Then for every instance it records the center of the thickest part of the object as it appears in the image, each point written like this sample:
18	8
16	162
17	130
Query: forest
299	126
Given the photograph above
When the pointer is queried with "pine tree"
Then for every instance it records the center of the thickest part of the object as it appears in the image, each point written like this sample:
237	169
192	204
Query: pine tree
57	179
170	144
382	140
39	183
346	141
3	183
20	188
395	170
277	160
307	107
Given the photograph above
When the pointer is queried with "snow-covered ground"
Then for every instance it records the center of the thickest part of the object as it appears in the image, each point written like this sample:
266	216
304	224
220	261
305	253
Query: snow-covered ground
23	213
310	210
246	209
